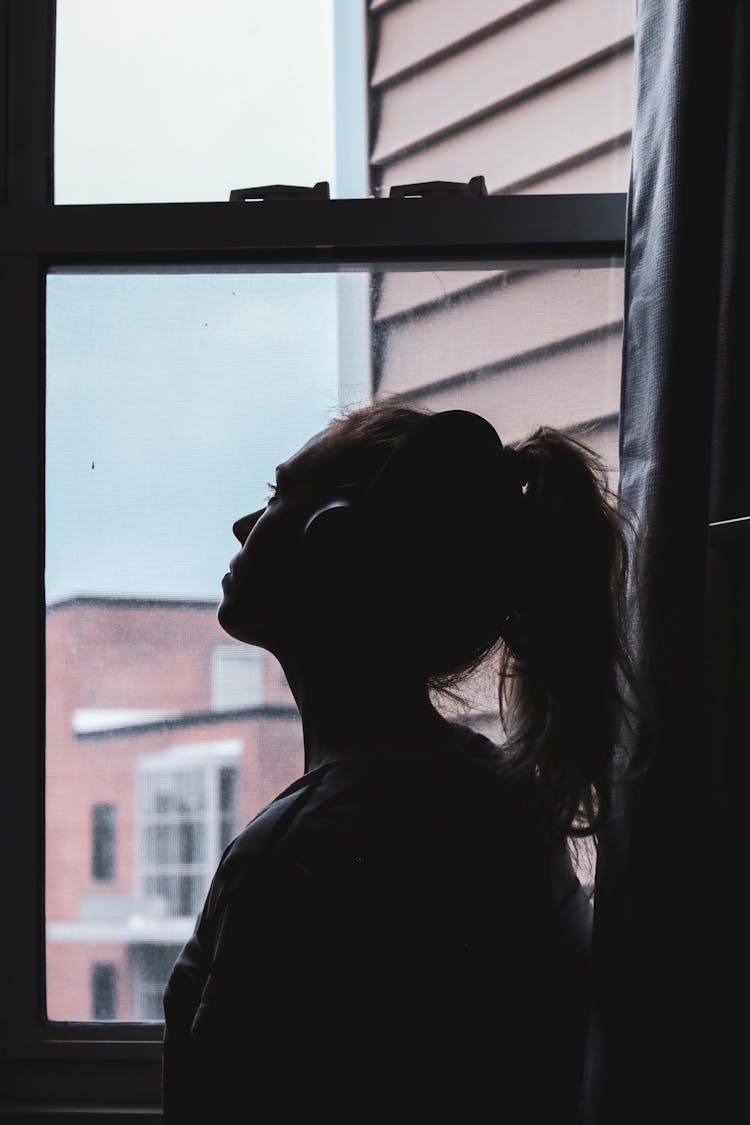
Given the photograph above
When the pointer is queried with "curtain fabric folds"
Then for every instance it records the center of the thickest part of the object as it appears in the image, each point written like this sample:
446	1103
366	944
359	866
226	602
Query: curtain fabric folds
669	941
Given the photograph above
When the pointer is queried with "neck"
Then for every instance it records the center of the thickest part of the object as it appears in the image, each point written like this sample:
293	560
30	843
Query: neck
344	716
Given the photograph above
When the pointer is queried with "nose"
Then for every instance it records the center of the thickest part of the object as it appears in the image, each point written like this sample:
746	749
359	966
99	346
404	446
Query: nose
242	527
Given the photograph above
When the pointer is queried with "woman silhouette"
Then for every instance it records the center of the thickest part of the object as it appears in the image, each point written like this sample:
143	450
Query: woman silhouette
400	935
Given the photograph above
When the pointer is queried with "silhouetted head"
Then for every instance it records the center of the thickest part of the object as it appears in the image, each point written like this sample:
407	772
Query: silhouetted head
419	564
442	556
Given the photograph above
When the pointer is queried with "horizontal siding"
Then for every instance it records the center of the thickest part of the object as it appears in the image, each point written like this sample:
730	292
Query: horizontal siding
523	313
565	390
531	52
552	127
498	407
536	97
607	171
378	5
410	33
403	292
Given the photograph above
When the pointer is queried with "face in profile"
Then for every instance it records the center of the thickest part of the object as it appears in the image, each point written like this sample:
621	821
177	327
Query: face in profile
264	577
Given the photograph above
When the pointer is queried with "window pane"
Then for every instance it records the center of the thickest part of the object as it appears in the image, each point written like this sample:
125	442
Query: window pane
171	397
227	783
167	100
176	100
103	991
103	844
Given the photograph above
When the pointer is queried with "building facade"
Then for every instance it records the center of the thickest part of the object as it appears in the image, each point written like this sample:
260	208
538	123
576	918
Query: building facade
163	739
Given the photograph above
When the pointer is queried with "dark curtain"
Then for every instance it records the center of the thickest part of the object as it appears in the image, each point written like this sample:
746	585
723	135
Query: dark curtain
669	1029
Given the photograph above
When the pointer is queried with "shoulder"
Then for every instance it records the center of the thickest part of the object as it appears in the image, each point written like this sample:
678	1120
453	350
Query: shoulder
316	819
450	824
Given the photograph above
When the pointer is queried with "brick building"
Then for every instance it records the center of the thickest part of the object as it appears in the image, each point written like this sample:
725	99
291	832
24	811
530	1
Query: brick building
164	737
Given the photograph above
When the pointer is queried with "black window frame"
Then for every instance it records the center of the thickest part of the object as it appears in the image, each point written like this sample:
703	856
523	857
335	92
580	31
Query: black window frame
118	1064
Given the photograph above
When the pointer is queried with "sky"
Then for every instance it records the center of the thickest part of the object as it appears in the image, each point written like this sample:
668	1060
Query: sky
171	398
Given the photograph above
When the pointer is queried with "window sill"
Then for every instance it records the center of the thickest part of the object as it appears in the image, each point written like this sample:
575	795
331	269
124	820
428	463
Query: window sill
82	1080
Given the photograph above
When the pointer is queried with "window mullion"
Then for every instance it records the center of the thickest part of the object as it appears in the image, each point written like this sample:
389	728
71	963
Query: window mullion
386	233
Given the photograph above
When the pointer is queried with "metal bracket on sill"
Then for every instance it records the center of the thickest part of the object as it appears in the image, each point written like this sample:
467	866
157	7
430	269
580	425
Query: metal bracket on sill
280	193
475	186
292	192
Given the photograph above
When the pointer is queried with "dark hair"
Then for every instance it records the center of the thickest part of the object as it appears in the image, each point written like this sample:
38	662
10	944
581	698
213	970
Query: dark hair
566	672
563	657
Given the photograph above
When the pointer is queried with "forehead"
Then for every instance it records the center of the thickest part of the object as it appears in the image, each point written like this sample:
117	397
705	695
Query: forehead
313	464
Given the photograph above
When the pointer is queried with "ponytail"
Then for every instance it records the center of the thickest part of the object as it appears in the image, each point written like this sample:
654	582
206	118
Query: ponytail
564	663
556	616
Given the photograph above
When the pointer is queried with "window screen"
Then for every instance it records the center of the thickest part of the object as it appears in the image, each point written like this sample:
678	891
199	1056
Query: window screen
171	397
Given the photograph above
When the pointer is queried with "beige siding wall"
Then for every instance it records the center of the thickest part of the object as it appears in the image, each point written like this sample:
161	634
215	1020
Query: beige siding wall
568	122
506	90
414	32
522	348
514	315
537	98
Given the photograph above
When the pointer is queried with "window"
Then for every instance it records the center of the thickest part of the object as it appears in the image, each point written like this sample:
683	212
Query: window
103	990
103	841
236	677
530	282
202	74
186	809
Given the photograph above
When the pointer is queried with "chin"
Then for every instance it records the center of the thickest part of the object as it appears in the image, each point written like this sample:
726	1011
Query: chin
228	620
238	626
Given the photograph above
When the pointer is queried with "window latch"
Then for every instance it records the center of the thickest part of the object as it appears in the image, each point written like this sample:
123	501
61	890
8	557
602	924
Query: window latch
280	192
475	186
290	192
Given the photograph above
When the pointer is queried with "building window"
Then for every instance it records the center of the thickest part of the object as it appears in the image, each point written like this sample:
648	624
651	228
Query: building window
103	990
227	804
103	842
187	813
236	677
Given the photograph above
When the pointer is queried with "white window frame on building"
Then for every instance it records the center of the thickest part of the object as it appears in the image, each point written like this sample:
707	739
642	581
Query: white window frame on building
237	677
180	801
53	1059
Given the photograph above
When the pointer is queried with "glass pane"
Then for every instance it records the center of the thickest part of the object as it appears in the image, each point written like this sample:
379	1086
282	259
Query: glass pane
167	100
170	400
179	100
227	783
192	842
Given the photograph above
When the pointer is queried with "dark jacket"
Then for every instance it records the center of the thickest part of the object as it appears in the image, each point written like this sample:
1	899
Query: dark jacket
388	940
